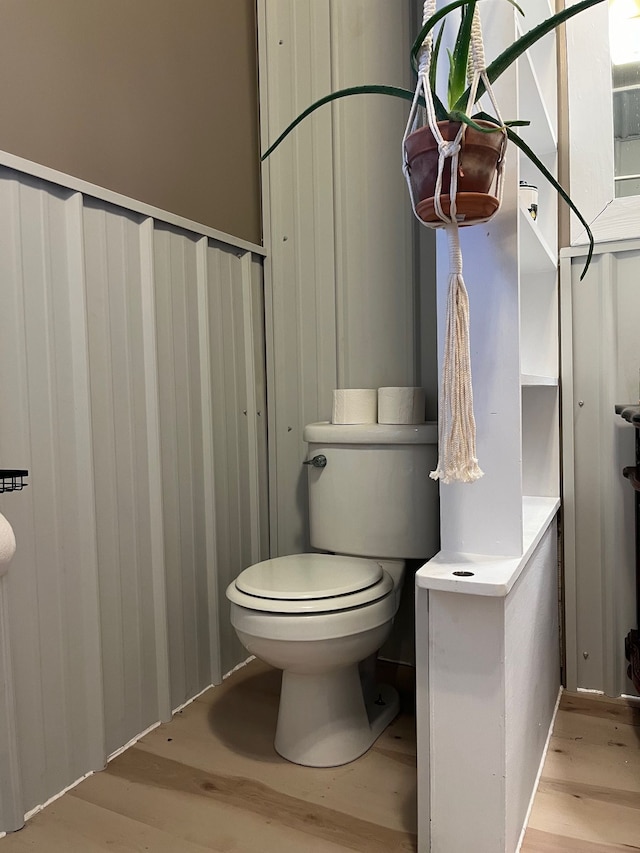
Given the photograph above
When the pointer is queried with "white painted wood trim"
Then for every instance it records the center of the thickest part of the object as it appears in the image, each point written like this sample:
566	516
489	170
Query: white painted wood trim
423	719
568	480
11	800
12	161
592	177
610	635
89	594
156	523
619	220
603	247
492	576
208	474
589	93
540	769
535	380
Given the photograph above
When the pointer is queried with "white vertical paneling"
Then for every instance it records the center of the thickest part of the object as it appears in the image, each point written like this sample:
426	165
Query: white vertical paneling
258	328
374	226
227	407
154	469
122	345
11	804
53	585
253	409
239	426
14	446
211	536
175	263
122	494
341	281
296	51
76	457
601	368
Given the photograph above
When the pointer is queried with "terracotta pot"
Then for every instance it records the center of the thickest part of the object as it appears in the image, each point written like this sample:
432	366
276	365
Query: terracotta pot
477	164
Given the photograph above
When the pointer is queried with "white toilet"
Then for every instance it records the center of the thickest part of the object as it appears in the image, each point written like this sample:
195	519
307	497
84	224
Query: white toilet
321	618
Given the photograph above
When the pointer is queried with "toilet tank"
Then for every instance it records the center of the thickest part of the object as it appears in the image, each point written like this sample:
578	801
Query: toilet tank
374	496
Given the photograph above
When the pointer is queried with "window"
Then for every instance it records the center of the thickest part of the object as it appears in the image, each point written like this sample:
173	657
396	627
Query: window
624	44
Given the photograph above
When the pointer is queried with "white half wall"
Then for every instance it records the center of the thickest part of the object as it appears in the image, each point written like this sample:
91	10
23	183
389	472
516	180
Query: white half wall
488	678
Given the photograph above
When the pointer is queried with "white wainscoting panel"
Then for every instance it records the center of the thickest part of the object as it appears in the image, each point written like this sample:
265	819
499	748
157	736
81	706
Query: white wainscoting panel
121	465
600	368
175	267
53	582
132	376
236	329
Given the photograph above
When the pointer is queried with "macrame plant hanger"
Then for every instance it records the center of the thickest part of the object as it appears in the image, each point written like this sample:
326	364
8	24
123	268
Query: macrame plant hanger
457	460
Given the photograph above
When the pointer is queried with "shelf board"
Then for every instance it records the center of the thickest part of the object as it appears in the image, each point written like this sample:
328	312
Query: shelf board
541	134
535	253
532	380
492	576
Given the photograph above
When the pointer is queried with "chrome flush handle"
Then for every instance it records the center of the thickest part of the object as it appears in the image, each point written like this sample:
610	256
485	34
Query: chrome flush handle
319	461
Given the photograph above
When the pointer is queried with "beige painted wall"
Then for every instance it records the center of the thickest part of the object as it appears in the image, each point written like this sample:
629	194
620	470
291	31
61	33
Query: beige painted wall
155	99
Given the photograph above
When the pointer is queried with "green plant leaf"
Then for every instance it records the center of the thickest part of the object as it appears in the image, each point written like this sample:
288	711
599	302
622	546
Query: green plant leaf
433	20
440	109
430	24
459	59
515	50
458	115
372	89
435	54
522	145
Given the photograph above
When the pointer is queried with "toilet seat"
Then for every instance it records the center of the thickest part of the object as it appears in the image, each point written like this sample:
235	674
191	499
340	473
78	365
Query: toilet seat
310	583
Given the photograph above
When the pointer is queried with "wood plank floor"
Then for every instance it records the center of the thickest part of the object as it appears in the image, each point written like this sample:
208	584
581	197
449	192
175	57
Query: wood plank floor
588	799
210	780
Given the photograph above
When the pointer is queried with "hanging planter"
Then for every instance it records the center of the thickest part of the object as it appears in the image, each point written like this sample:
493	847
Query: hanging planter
453	162
450	168
459	101
480	155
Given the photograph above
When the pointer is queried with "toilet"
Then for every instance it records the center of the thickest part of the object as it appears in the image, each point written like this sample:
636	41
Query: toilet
322	617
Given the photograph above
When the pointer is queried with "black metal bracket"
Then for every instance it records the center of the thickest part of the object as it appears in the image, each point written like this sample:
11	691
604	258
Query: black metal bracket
12	480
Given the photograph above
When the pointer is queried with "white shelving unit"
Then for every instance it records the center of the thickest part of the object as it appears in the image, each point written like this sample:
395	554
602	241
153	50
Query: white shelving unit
486	606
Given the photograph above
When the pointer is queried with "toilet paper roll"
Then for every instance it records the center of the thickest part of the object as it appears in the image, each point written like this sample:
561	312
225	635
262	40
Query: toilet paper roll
401	405
355	406
7	544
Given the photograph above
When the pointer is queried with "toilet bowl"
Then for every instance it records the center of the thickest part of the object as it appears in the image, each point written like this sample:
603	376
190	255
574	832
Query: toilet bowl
317	617
322	617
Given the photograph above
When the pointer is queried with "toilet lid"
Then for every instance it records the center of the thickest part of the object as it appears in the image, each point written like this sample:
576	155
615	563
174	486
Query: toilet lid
284	585
303	576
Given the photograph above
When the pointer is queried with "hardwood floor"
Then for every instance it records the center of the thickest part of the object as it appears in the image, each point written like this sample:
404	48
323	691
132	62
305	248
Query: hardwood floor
588	799
210	780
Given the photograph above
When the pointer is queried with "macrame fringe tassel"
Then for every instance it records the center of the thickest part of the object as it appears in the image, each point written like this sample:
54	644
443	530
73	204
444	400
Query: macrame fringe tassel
457	460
